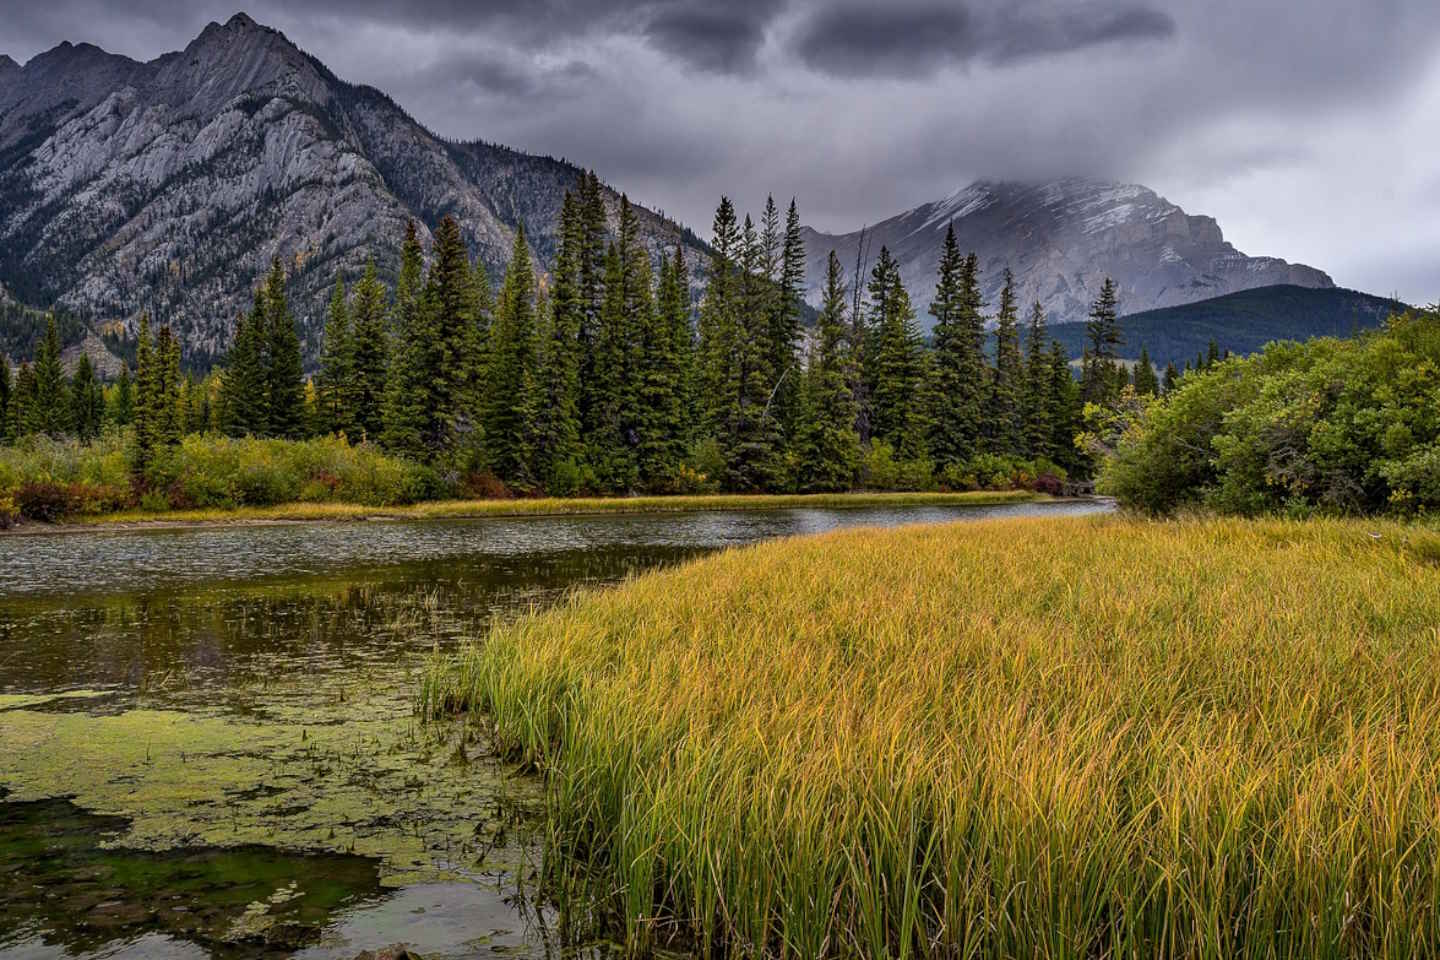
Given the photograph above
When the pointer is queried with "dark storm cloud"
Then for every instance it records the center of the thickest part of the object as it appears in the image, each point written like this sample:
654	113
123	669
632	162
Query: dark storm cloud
716	38
909	39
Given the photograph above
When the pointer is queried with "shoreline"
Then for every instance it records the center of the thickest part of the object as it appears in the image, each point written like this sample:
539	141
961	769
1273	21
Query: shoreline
299	513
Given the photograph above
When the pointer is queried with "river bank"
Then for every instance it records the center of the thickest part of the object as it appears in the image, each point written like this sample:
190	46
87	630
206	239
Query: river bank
539	507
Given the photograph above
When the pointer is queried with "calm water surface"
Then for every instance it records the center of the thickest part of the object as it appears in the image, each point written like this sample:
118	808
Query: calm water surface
207	740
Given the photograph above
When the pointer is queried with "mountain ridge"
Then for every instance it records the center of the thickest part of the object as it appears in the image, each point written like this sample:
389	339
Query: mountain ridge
167	185
1062	238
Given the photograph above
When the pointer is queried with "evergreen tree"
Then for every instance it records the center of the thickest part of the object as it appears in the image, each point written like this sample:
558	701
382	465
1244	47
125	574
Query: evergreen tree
751	438
1172	377
1103	335
661	448
785	325
87	401
405	390
676	309
1147	384
336	387
828	442
450	343
719	324
591	263
51	413
1037	387
147	412
1005	422
896	361
368	357
167	413
512	377
285	381
243	388
23	401
1065	403
1212	355
122	411
4	399
959	363
558	431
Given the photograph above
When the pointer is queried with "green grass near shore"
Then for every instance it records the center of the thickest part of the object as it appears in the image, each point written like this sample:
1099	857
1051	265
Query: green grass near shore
556	506
1058	738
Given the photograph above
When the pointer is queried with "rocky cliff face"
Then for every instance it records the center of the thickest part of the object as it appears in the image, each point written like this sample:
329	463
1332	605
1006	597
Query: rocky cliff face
167	186
1062	239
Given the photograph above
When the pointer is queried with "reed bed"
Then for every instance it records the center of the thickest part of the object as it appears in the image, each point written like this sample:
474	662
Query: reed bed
1024	738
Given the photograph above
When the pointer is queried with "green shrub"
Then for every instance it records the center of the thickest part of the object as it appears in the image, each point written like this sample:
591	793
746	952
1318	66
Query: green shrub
880	470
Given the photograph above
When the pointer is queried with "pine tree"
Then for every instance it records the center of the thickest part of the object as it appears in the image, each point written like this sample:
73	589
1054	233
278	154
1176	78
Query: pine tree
336	386
243	388
122	411
1005	421
719	324
1147	384
405	390
512	375
676	309
1212	355
1064	409
51	413
450	342
959	365
166	409
661	448
5	390
1103	335
896	374
828	442
87	401
558	430
285	381
785	326
1172	377
147	411
1037	387
751	437
591	261
23	401
368	357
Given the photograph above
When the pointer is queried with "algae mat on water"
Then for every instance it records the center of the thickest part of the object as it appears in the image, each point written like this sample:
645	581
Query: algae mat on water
425	803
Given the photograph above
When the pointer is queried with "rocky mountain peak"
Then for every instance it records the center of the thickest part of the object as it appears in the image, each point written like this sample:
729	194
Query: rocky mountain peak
1061	238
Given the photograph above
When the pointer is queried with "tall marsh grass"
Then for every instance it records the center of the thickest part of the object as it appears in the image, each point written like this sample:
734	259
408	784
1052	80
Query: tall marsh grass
1020	738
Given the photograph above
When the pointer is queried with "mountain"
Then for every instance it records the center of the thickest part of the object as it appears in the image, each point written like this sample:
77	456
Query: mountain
1061	239
1240	322
168	185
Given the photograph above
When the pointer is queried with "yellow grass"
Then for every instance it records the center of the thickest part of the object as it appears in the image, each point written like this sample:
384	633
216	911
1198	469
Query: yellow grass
1021	738
459	509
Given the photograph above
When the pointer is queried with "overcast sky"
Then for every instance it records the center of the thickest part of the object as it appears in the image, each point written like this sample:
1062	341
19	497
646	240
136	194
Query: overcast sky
1310	129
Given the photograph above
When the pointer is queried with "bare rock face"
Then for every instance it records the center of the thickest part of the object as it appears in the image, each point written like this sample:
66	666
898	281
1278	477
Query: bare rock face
169	185
1062	239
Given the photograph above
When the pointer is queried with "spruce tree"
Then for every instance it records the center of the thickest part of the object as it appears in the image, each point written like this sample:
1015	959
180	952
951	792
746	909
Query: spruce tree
719	324
336	387
1103	336
676	310
897	365
52	403
166	409
405	390
1212	355
661	448
1005	421
592	250
4	398
751	438
243	387
828	443
959	365
1064	409
147	408
23	401
1172	377
512	375
285	380
557	449
1147	384
1037	386
449	342
785	326
368	357
122	411
87	401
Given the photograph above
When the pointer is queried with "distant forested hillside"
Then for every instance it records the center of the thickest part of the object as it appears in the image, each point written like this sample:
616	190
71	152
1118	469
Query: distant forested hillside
1241	323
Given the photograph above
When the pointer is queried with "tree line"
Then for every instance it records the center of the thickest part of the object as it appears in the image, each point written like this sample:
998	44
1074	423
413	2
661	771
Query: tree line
606	376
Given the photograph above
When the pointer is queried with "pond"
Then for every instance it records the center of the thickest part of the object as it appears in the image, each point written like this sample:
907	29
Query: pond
208	745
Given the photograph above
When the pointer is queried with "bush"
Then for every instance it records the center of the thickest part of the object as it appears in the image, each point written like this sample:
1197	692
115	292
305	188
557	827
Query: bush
881	471
1334	426
45	501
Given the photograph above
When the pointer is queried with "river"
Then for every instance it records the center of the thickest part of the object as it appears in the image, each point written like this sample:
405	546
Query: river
208	745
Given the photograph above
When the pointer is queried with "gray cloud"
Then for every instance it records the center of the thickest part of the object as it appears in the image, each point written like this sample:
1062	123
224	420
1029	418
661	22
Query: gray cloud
909	39
1306	129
